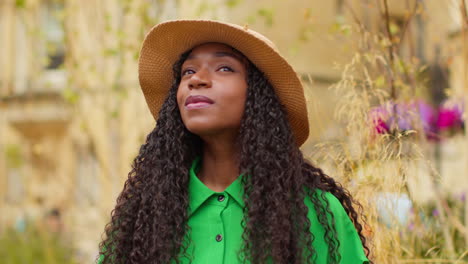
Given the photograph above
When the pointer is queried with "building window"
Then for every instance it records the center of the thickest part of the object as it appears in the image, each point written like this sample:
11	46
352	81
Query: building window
54	34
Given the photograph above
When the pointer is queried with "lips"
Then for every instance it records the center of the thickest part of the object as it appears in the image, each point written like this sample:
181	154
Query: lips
198	101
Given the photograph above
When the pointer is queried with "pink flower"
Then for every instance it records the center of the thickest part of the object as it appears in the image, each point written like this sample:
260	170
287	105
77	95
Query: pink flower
381	127
404	116
450	116
379	117
447	119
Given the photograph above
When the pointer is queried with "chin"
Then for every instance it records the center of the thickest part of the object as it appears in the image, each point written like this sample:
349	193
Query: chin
205	130
200	129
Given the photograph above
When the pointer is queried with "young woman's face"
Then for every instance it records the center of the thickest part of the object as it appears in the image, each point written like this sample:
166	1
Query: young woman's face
212	91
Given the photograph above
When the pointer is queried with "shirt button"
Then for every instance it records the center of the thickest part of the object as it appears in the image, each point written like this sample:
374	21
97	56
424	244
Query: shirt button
221	198
219	238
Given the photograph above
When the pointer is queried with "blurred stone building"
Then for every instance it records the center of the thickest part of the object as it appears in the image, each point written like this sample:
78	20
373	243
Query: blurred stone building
72	116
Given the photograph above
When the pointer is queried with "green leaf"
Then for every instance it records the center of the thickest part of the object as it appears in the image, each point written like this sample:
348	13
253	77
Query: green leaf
13	156
345	30
111	52
394	28
334	28
304	33
251	19
380	81
267	15
70	96
20	3
204	7
232	3
114	114
401	66
294	49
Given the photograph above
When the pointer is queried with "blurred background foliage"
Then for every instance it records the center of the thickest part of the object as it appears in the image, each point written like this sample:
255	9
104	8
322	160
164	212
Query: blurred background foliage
34	245
386	84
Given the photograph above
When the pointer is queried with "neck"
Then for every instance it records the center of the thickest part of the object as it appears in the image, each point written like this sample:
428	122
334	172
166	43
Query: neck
220	166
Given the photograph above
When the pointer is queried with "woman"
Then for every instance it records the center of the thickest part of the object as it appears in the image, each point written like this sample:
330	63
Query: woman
221	178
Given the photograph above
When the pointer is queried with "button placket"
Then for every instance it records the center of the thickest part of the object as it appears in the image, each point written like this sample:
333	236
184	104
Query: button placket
219	238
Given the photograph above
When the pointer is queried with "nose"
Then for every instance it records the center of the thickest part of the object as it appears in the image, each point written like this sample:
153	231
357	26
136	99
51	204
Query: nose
200	79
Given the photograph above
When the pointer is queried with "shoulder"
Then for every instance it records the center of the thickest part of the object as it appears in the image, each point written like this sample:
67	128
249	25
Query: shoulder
350	246
333	209
328	203
333	202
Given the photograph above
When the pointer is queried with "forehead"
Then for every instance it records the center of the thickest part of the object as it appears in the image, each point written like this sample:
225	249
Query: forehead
215	50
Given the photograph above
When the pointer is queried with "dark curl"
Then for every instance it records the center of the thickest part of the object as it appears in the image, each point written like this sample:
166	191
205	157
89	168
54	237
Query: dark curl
149	222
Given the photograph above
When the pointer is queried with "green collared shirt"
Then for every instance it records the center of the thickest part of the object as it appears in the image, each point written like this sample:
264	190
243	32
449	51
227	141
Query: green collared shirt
216	231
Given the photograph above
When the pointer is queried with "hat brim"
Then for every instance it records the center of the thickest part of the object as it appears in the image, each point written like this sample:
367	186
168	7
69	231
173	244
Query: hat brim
164	44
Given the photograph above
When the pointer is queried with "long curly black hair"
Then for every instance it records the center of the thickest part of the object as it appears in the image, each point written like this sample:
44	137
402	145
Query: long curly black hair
149	222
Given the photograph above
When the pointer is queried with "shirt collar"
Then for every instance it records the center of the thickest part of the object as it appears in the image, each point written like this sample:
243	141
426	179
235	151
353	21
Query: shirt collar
198	192
236	191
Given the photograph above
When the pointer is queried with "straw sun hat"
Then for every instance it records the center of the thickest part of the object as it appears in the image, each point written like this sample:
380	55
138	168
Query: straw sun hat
164	44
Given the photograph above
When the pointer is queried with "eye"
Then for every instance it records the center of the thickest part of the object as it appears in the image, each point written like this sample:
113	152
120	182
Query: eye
187	71
226	68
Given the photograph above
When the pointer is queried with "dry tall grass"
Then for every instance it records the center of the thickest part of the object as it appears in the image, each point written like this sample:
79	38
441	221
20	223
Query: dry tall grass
379	168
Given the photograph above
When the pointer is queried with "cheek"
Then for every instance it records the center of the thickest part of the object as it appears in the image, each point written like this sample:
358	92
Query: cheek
242	94
236	103
179	96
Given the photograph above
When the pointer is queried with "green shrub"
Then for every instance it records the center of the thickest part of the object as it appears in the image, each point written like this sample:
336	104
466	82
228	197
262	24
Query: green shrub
34	245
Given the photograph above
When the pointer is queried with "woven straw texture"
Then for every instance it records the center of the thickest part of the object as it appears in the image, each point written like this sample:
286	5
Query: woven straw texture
167	41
